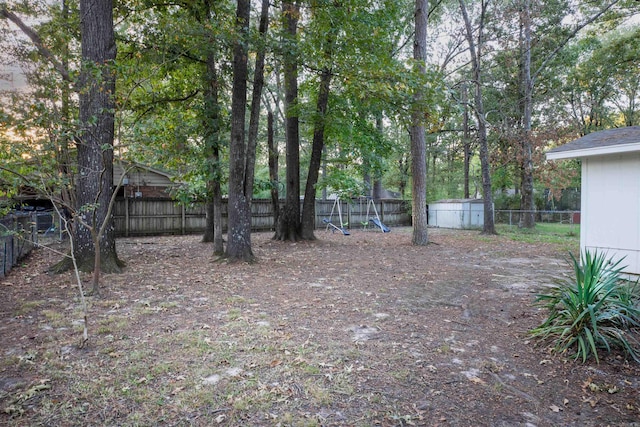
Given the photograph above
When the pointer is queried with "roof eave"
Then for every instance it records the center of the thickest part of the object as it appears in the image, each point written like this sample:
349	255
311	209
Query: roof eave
591	152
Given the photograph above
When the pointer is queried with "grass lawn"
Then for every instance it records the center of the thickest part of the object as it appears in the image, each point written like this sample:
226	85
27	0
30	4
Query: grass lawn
566	235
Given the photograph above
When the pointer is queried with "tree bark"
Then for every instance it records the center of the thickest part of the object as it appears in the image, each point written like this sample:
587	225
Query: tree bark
377	189
95	140
527	203
239	234
420	235
289	224
213	231
466	140
273	167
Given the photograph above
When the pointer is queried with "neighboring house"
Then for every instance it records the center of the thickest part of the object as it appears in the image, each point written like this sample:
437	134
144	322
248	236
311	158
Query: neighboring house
457	213
610	205
141	181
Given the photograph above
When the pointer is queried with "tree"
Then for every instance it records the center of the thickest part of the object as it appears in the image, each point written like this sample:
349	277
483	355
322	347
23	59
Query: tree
320	117
475	52
602	89
418	142
213	230
212	128
93	229
239	235
528	82
256	97
95	233
289	225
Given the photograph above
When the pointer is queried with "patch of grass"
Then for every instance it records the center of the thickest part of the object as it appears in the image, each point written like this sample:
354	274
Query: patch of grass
56	318
444	348
165	305
317	393
112	324
29	306
594	310
234	314
401	375
566	235
236	300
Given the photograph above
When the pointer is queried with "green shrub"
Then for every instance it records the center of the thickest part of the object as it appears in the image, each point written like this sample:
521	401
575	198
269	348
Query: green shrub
596	309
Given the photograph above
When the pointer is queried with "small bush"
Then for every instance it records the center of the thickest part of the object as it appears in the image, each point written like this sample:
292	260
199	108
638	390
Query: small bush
596	309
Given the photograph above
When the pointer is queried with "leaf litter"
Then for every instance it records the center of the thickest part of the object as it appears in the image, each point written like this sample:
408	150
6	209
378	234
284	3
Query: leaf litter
347	330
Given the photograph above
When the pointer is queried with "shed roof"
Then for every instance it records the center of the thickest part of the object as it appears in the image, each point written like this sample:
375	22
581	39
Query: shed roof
458	201
610	141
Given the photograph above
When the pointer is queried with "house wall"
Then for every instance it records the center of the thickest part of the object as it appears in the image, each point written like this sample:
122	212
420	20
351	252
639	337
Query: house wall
141	176
142	182
610	207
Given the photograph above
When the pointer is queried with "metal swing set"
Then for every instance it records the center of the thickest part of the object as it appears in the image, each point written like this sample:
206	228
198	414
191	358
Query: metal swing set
331	225
371	206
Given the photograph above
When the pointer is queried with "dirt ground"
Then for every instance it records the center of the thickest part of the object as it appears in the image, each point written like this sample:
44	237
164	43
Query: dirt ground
355	330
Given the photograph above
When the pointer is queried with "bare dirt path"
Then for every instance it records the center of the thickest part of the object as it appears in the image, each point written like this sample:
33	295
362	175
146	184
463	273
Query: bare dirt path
350	330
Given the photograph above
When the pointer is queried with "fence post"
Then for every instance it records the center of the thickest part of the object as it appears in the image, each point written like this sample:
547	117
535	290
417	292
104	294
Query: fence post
126	216
184	218
4	257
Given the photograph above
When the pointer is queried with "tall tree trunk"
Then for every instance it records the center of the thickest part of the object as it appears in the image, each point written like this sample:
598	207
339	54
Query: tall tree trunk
239	234
256	96
317	148
309	204
466	140
527	201
213	231
95	141
289	225
273	167
475	51
418	142
377	189
528	83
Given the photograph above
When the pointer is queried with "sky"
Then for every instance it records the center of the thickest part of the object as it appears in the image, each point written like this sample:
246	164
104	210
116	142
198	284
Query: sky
11	78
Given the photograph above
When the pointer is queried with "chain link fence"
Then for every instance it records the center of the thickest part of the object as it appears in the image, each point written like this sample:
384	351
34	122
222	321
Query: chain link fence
515	217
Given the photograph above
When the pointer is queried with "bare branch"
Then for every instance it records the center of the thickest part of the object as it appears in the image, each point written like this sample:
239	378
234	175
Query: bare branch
37	41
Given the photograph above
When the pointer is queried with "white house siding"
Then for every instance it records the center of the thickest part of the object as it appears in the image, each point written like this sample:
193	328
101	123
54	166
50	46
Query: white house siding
611	207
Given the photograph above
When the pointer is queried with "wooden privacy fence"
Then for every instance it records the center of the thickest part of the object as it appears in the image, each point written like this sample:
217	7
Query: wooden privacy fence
139	217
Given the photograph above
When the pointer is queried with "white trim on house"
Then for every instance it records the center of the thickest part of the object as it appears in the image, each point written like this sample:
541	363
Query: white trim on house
594	151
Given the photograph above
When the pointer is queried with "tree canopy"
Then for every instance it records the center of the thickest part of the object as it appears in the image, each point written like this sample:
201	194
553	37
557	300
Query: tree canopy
345	91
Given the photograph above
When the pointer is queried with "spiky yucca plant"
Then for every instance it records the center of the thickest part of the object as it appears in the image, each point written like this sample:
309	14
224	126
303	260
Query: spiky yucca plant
596	309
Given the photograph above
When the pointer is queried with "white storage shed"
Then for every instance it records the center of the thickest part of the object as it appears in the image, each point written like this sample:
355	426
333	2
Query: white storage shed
457	213
610	200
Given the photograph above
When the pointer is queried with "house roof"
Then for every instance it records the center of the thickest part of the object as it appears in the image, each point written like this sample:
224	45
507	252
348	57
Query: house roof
610	141
125	164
